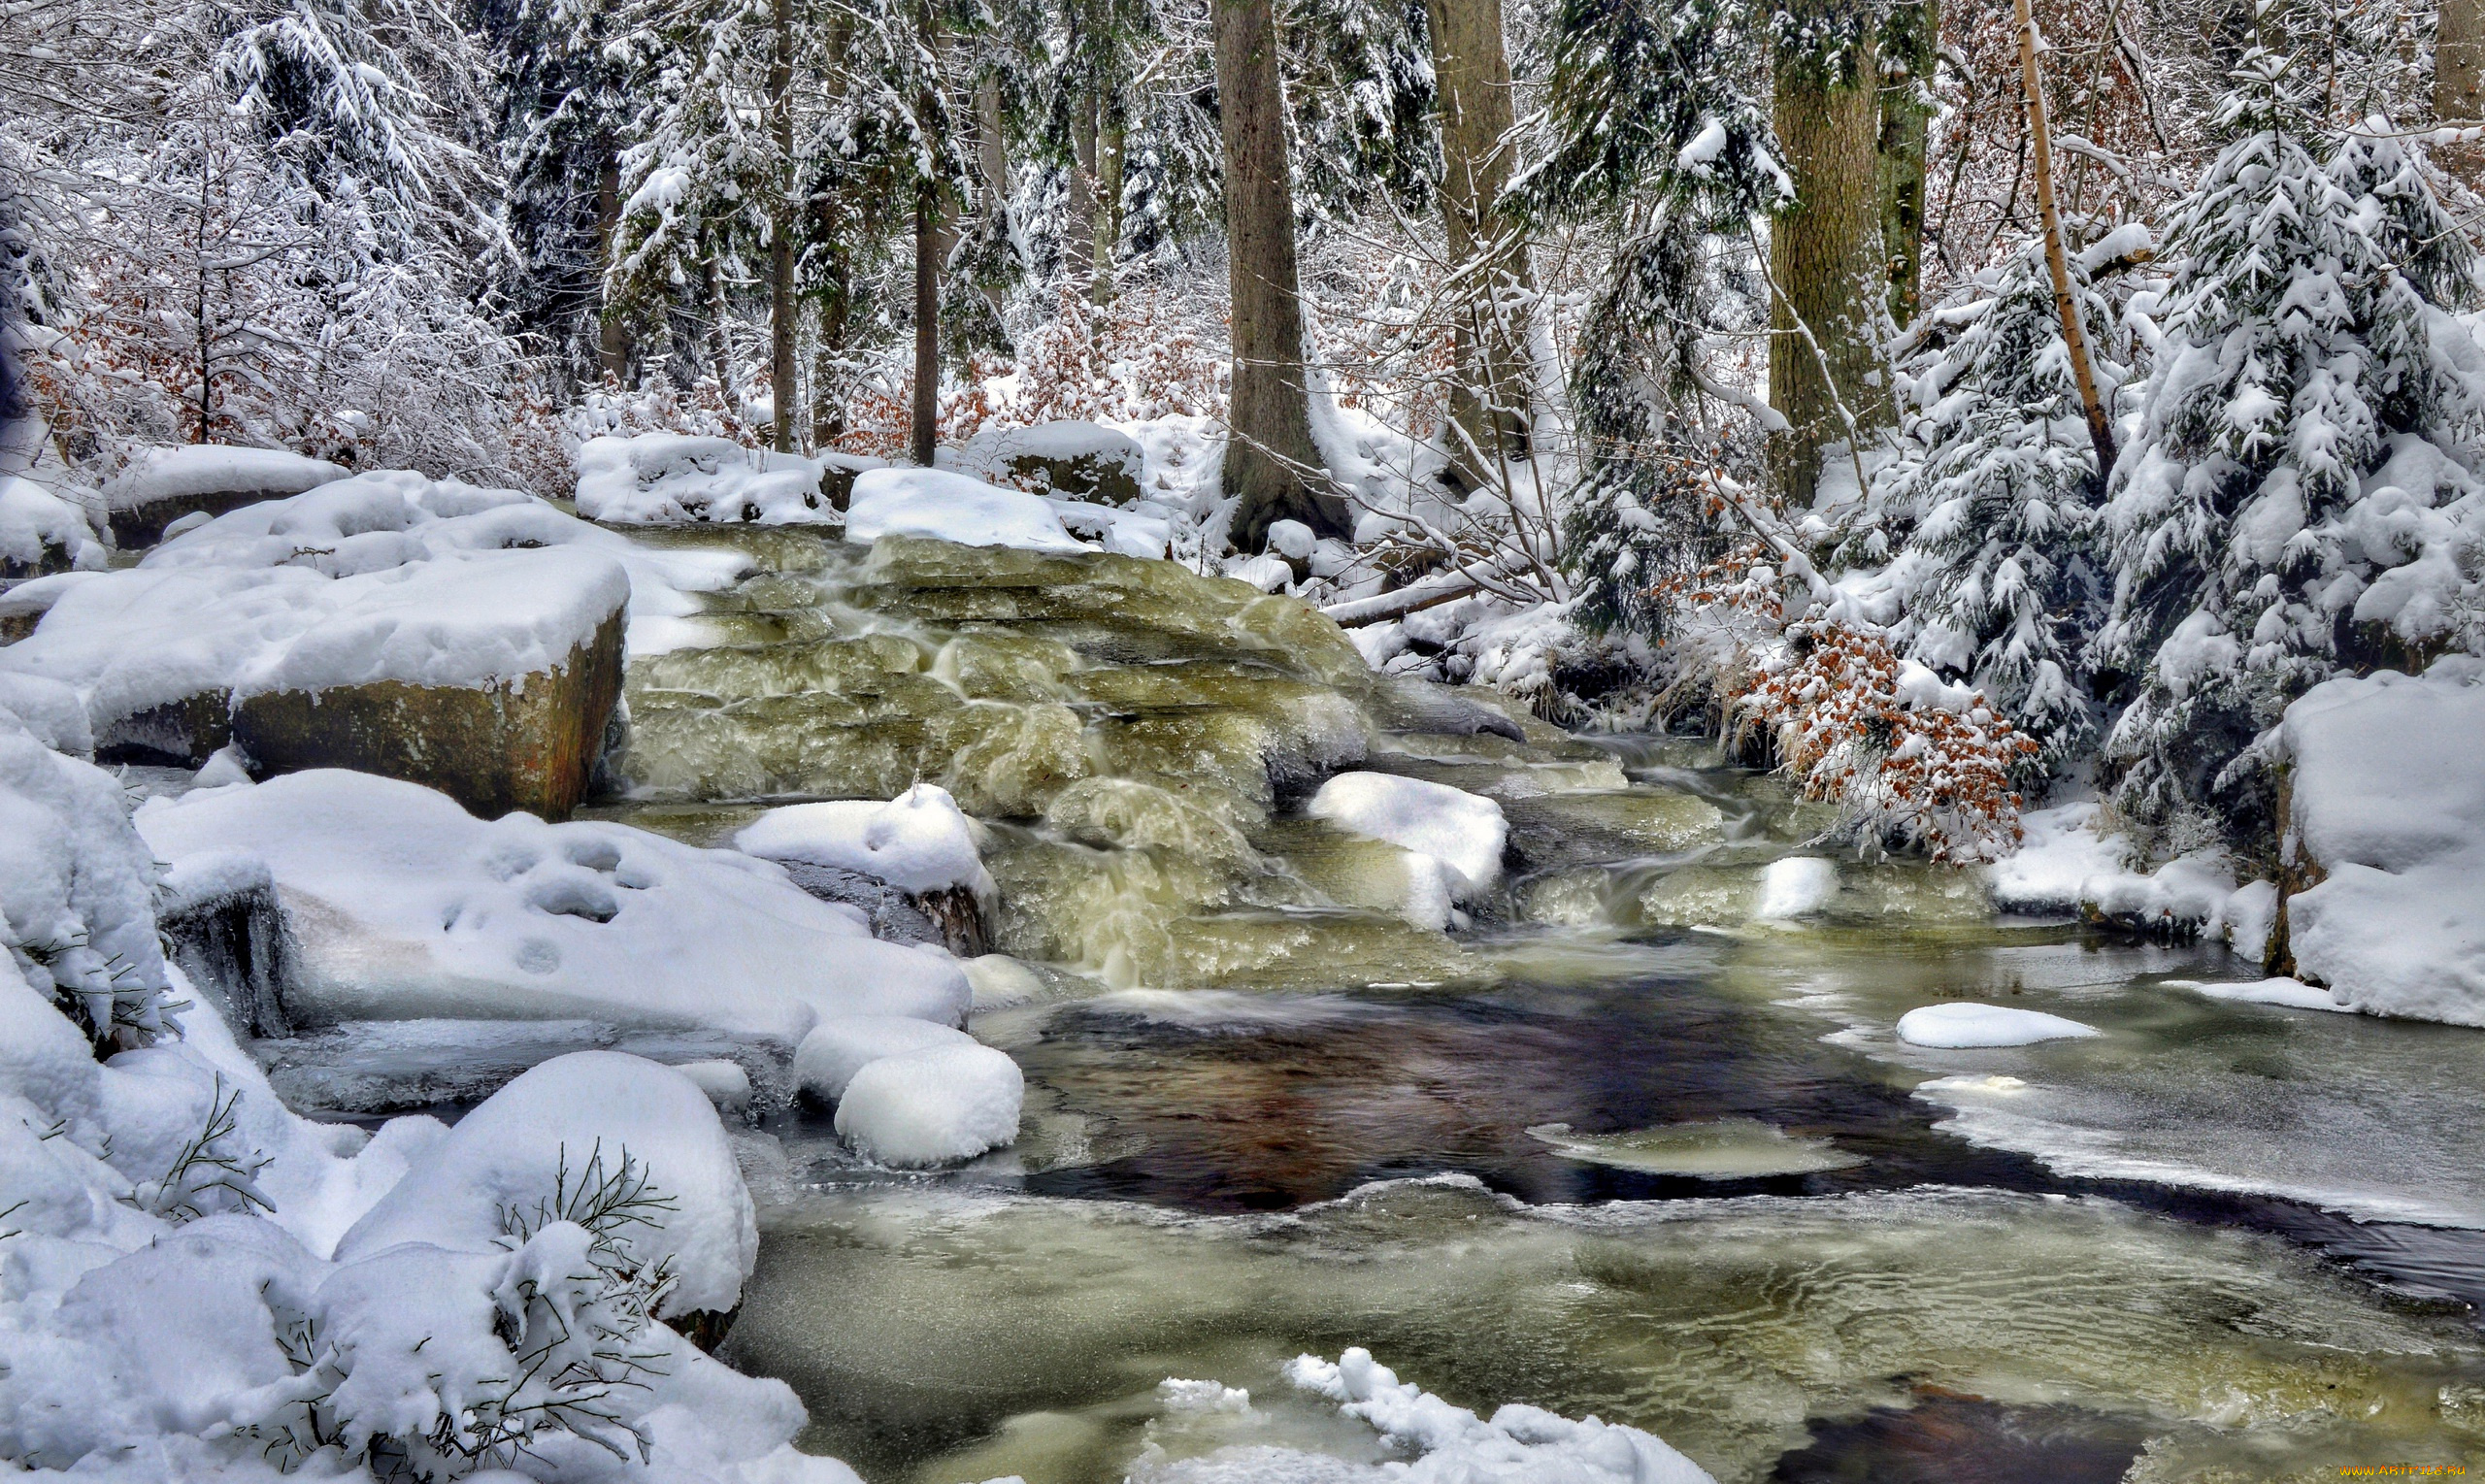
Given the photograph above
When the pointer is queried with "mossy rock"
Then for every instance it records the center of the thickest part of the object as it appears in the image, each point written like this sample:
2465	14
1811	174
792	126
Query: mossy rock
528	742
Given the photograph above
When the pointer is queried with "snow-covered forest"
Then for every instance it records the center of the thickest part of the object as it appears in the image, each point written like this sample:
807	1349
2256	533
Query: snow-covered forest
660	649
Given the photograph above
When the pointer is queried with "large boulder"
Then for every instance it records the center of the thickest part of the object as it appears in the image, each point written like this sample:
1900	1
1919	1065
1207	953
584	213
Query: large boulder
41	532
1073	460
162	486
463	638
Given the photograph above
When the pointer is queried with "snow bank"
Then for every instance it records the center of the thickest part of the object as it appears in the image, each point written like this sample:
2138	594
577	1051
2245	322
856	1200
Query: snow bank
1453	835
406	907
932	1105
2386	813
201	1285
1519	1442
950	507
551	1140
383	576
193	470
918	842
668	479
1953	1027
2065	864
38	529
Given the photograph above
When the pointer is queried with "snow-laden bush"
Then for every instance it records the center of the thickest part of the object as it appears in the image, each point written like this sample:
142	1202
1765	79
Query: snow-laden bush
2294	502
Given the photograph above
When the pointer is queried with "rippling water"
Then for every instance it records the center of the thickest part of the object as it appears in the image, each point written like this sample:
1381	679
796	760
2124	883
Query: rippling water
1622	1147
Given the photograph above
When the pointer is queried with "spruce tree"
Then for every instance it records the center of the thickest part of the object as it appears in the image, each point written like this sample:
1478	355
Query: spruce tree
2281	513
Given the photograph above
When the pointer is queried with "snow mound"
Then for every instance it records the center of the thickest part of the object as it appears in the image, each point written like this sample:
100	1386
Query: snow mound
669	478
837	1048
949	507
38	527
2294	993
2387	809
933	1106
1796	886
216	469
551	1140
406	907
1957	1027
918	842
2067	866
1453	835
1517	1443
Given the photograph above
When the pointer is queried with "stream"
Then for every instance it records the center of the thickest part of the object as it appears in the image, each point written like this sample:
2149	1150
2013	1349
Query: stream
1637	1141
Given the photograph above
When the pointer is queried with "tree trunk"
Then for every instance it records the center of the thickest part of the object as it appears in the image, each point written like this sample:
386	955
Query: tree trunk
2459	82
613	339
1825	258
1078	233
781	235
1491	389
1110	133
992	162
924	420
721	343
1270	460
1911	48
828	414
2075	335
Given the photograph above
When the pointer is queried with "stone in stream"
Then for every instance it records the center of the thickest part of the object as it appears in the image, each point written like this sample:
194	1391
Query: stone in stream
43	531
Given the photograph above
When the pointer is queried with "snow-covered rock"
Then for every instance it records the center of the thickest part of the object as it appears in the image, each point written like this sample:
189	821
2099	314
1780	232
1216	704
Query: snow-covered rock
918	842
668	479
2385	841
2065	865
842	1046
163	486
940	506
933	1106
1453	1445
1961	1025
1453	838
1084	460
405	906
1794	886
41	532
382	577
549	1140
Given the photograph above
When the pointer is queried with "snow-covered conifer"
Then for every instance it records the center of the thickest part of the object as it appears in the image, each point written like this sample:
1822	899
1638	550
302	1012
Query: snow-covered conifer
2290	504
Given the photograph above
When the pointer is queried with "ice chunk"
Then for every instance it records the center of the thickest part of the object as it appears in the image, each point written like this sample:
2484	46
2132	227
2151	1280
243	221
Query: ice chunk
842	1045
2294	993
1963	1025
1463	831
918	842
405	906
952	508
932	1106
1794	886
551	1140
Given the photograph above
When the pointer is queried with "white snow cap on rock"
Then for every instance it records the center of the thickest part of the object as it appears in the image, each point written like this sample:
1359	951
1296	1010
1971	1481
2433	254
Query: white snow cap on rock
214	468
918	842
1461	834
1794	886
408	907
1962	1026
932	1106
2387	807
949	507
1517	1443
842	1045
548	1141
666	479
34	519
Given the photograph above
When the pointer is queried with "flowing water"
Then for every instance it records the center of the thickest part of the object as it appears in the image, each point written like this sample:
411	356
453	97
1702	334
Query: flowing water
1637	1141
